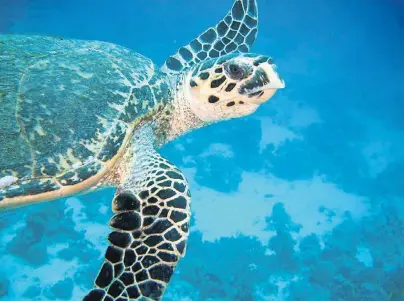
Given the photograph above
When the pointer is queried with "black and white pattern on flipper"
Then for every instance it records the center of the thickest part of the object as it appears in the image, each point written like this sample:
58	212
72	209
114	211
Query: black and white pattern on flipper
236	32
150	228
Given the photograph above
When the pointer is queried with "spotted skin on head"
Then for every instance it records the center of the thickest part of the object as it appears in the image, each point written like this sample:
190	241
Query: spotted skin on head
231	86
236	32
150	228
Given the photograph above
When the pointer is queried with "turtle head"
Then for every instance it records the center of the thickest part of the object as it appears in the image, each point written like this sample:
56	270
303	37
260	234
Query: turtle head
231	86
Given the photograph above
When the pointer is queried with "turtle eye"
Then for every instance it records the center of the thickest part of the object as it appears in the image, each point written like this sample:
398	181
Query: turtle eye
235	71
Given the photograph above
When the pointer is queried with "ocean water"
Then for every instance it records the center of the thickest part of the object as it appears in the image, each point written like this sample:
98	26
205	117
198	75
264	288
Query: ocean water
301	201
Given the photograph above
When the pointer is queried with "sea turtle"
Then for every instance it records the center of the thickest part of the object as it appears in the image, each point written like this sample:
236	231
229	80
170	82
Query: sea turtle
76	115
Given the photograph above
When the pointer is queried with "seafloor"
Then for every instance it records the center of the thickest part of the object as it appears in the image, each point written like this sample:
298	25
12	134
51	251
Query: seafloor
303	201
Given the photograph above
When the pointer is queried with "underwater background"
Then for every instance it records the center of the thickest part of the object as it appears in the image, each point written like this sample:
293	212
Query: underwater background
302	201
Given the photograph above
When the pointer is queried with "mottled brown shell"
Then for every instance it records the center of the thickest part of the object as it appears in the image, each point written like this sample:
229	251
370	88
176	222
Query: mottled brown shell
67	108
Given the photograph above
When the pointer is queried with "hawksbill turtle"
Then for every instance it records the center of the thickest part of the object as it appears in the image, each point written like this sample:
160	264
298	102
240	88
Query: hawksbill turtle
77	115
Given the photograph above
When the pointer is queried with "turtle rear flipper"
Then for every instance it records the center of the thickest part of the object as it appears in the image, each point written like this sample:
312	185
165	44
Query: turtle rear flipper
150	229
236	32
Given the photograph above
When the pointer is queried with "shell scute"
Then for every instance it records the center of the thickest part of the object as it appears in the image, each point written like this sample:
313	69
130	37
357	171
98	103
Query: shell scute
29	187
113	142
80	174
66	105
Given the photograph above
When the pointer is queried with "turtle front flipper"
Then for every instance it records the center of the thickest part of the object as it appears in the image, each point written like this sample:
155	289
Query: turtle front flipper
236	32
150	228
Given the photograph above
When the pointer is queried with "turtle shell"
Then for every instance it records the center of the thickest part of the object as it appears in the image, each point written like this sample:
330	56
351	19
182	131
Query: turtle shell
67	108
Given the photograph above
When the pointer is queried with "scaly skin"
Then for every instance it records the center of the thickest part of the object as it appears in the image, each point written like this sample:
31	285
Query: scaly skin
110	134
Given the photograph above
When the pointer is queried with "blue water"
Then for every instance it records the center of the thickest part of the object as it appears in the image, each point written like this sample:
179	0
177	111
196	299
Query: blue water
302	201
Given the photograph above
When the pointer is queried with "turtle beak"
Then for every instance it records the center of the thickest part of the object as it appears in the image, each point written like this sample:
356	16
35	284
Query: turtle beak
263	83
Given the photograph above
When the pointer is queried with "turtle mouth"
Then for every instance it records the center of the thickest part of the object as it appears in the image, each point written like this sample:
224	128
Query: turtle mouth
264	78
257	94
